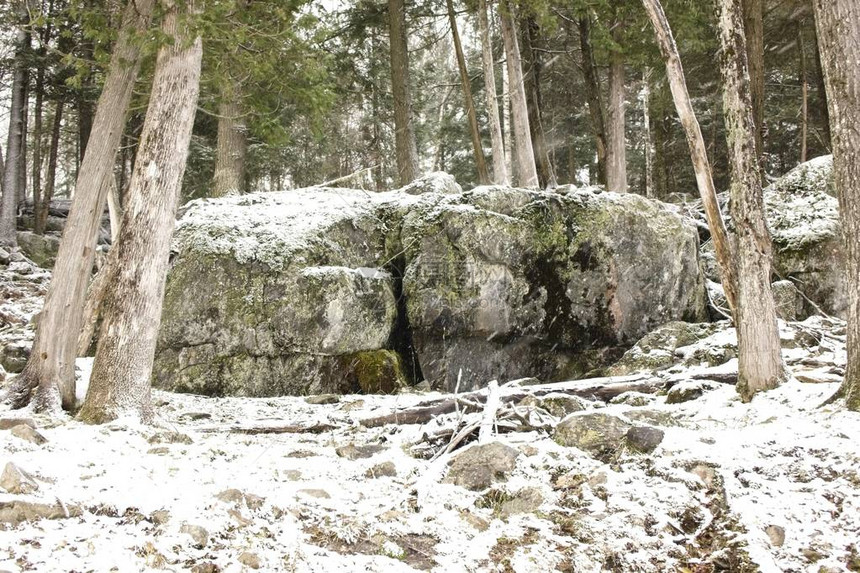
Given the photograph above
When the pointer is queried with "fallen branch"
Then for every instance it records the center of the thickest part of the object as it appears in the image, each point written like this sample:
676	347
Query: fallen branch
313	429
603	389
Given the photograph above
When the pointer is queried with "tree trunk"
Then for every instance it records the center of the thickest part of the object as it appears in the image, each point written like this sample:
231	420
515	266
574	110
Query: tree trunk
526	169
15	136
37	138
647	147
404	136
760	364
804	96
52	359
838	27
120	382
592	91
534	64
698	152
25	114
500	170
753	26
506	125
474	131
232	146
822	93
41	208
616	156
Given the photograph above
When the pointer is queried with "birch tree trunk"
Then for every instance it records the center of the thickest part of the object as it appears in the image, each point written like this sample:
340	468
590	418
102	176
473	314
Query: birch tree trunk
120	382
526	169
52	359
753	27
474	131
698	151
500	170
616	156
232	149
592	91
760	364
838	27
404	136
41	208
15	136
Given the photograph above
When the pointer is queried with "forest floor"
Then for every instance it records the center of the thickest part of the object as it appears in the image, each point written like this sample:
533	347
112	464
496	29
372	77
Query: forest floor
232	484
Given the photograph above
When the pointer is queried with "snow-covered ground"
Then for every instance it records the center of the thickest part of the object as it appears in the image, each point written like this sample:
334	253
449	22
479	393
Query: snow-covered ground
772	486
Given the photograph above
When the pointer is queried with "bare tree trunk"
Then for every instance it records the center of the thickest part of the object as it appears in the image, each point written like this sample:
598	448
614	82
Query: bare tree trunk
838	27
822	93
760	364
404	136
526	169
616	156
506	124
15	137
42	207
500	170
232	146
647	147
25	113
592	90
52	360
474	131
753	26
534	64
37	138
698	152
120	382
804	95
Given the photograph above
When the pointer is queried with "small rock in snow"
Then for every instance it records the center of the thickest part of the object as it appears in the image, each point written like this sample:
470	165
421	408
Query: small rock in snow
776	534
353	452
635	399
643	439
159	516
527	500
478	467
321	399
194	416
385	469
170	438
317	493
600	435
207	567
684	392
249	559
9	423
17	481
159	451
27	433
198	535
17	511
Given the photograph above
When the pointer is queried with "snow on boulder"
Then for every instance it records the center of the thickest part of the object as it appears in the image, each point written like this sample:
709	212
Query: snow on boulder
327	290
803	217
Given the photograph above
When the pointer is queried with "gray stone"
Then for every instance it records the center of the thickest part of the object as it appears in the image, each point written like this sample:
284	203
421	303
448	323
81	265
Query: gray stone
480	466
16	481
600	435
198	534
249	559
634	399
643	439
160	517
238	497
527	500
170	438
17	511
25	432
776	535
4	256
685	392
14	356
657	349
41	249
297	293
561	405
317	493
788	301
9	423
353	452
385	469
320	399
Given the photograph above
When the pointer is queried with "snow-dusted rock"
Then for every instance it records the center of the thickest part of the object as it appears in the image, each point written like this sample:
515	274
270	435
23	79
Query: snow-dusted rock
478	467
16	481
600	435
28	434
41	249
338	290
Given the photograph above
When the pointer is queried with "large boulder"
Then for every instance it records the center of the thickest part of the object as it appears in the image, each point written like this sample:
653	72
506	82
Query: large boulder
41	249
803	216
335	290
508	283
